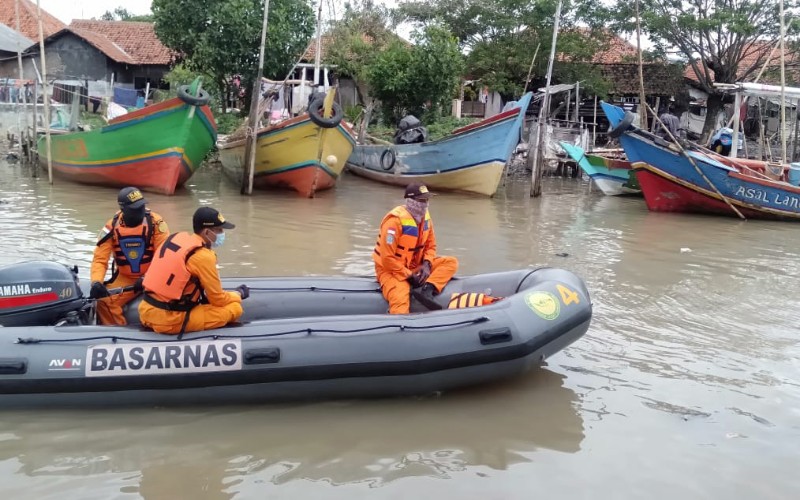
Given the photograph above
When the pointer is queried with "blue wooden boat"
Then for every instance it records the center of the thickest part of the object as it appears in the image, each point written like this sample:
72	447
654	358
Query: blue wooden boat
470	159
614	177
670	183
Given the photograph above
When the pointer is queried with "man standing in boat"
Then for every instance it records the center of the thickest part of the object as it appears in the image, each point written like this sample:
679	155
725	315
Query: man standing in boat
131	237
671	121
182	288
405	255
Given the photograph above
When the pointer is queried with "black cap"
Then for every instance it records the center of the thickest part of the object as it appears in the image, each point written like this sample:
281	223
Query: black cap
205	217
130	197
418	191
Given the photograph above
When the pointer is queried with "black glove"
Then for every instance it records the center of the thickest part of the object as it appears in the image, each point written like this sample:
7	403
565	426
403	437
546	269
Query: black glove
243	290
98	291
138	287
421	275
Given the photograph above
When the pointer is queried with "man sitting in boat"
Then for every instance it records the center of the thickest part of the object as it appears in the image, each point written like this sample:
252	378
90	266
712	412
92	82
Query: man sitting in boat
131	237
182	288
405	255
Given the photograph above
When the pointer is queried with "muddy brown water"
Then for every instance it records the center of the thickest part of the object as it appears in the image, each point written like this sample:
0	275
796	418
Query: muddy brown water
686	385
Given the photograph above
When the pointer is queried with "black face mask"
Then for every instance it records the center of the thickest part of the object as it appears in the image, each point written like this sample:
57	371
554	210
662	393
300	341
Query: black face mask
133	217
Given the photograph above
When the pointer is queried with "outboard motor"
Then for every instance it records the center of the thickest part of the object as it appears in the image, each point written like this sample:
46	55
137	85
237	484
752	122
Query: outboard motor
40	293
410	131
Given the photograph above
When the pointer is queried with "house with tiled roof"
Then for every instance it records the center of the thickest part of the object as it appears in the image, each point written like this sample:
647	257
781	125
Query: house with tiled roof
28	24
93	55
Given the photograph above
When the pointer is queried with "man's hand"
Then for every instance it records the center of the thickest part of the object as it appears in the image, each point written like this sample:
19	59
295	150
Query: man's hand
243	290
421	275
98	291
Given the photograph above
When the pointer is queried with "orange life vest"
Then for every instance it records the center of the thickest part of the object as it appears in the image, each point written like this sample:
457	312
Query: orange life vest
410	242
168	276
470	299
133	246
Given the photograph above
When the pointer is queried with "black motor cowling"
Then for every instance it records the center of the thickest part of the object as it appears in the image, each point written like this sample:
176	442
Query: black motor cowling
38	293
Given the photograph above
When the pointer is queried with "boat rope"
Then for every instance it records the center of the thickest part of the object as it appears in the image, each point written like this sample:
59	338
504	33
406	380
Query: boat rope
307	331
310	289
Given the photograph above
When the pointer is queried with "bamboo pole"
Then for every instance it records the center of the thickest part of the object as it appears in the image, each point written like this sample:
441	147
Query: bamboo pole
594	124
252	126
737	104
318	52
45	97
536	173
23	99
783	89
643	106
530	69
691	160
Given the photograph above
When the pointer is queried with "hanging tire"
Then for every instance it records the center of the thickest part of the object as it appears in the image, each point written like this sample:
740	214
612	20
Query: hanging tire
316	114
201	99
388	159
622	126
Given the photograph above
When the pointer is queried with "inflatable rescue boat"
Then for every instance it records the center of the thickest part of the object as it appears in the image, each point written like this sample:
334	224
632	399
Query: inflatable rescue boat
301	338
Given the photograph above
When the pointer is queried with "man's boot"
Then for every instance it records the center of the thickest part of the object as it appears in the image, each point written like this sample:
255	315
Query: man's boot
425	296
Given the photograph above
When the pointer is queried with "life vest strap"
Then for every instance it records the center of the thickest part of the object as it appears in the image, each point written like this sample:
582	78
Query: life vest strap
173	305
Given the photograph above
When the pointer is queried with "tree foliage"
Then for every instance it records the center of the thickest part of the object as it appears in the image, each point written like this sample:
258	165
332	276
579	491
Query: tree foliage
421	78
221	37
501	37
357	38
724	41
123	14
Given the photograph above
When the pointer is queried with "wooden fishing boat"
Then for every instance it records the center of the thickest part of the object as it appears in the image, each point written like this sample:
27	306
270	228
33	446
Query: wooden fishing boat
306	153
613	176
470	159
156	148
672	183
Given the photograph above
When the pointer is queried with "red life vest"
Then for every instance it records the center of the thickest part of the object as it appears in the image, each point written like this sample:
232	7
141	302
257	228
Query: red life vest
168	283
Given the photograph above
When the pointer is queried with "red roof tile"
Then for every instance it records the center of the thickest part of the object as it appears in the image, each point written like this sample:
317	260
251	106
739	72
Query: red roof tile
613	48
137	39
755	55
28	24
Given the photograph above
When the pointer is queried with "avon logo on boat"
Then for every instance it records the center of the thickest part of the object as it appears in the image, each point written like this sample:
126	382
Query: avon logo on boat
767	197
64	364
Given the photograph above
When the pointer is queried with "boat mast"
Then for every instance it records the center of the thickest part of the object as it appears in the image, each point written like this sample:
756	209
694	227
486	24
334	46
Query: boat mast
252	125
45	97
783	90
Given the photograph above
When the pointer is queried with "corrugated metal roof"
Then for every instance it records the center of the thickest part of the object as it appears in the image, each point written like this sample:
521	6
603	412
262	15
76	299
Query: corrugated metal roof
9	39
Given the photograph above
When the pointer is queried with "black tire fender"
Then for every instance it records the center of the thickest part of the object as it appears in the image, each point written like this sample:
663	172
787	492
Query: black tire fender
201	99
388	153
315	113
622	126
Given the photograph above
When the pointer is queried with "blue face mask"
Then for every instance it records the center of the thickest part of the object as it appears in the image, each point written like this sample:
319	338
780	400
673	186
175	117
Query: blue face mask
219	241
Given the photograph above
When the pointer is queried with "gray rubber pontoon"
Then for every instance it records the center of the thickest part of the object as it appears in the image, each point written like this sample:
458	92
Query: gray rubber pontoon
300	338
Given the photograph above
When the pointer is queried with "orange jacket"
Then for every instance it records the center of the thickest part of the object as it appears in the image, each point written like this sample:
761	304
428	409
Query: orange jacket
132	260
403	244
182	273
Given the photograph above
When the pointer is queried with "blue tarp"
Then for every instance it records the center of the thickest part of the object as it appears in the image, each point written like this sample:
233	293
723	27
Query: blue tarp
125	97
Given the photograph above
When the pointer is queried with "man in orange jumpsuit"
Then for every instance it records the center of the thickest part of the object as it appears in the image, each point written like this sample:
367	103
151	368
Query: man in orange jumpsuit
405	255
183	291
131	237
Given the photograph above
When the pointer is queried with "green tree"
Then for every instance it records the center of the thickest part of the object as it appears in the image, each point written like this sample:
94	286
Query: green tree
358	38
419	79
501	36
724	41
122	14
221	37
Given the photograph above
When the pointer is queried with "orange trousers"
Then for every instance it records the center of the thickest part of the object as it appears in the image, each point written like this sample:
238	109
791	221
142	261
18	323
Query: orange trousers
397	290
201	317
110	309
